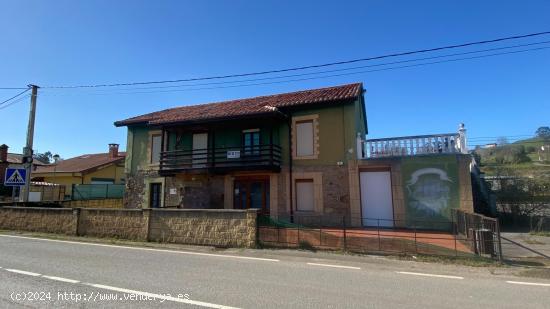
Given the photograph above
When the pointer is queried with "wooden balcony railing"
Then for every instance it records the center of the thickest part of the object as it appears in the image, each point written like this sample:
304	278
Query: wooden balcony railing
412	145
267	156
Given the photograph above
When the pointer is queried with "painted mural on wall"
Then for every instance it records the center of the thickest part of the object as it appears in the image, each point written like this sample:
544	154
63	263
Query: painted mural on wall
431	190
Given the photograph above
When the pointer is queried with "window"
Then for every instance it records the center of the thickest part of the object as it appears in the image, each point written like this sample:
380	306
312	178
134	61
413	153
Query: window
102	181
156	142
251	142
304	138
305	200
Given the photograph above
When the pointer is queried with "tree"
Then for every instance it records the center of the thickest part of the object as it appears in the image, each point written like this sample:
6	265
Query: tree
543	132
501	141
45	157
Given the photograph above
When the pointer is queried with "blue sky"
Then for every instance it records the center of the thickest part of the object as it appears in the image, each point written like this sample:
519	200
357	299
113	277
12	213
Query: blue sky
90	42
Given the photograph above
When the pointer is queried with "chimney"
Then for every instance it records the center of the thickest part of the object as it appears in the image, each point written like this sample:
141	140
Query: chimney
3	153
113	150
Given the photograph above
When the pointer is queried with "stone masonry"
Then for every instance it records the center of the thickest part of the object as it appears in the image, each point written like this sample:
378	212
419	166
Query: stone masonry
46	220
214	227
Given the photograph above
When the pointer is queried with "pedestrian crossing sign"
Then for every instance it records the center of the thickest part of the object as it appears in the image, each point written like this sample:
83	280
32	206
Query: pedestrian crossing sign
15	177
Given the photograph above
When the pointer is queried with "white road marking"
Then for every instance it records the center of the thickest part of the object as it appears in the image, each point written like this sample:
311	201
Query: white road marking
528	283
148	249
22	272
429	275
60	279
128	291
159	296
335	266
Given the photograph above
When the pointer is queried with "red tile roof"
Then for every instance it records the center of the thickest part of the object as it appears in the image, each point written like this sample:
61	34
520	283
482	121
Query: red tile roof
246	107
17	158
81	163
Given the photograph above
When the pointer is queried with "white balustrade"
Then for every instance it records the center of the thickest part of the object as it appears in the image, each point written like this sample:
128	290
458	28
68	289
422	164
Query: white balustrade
412	145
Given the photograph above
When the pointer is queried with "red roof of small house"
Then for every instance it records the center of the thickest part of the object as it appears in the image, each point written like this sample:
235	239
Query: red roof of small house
17	158
247	107
81	163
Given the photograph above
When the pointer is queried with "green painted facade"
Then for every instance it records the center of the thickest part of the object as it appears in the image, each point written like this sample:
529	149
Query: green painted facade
338	128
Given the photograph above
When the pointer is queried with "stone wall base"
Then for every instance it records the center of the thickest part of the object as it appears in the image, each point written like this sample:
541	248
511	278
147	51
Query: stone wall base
222	228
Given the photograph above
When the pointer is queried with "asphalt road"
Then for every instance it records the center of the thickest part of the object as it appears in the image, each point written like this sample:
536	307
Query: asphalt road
38	273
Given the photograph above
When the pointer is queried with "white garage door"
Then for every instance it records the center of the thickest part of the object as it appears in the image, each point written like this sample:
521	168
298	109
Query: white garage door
376	199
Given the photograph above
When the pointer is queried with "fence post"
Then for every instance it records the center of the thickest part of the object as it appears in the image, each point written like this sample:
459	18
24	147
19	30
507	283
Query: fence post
415	244
344	225
499	241
378	232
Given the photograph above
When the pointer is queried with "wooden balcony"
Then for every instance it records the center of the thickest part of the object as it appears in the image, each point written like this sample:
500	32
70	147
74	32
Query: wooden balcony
412	145
222	159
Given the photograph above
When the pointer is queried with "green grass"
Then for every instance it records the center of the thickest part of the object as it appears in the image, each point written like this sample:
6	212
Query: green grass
473	261
268	221
533	167
541	233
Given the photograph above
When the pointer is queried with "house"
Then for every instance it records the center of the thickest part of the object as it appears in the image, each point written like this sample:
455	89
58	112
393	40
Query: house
295	156
7	159
98	168
544	153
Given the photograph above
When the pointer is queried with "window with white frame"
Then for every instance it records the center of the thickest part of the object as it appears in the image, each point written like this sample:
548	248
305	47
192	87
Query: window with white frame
305	198
156	145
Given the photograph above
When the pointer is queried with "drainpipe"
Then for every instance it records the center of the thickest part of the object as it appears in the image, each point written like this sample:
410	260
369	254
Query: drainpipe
291	185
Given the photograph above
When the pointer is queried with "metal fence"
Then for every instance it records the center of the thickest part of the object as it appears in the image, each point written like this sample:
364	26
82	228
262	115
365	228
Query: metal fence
96	191
385	236
519	222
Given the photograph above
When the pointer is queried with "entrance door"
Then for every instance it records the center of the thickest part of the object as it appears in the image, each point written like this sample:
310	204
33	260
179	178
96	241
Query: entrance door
155	195
200	150
376	199
252	193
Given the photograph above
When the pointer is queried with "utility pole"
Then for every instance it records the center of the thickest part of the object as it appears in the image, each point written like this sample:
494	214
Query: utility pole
27	151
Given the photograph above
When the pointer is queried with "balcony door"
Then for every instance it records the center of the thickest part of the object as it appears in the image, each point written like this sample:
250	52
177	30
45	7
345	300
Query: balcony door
200	150
252	192
251	142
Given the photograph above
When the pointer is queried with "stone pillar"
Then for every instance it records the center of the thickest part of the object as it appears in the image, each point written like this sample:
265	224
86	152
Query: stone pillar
146	224
228	192
354	193
76	216
252	228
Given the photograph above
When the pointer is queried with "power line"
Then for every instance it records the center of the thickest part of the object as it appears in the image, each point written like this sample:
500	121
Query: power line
514	143
321	77
310	66
331	71
488	137
14	102
15	96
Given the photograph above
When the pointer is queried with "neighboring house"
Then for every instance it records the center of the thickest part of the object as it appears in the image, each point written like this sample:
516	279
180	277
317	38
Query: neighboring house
7	159
296	156
98	168
544	153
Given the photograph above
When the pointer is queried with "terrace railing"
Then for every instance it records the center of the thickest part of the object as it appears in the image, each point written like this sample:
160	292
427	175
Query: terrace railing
412	145
266	156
